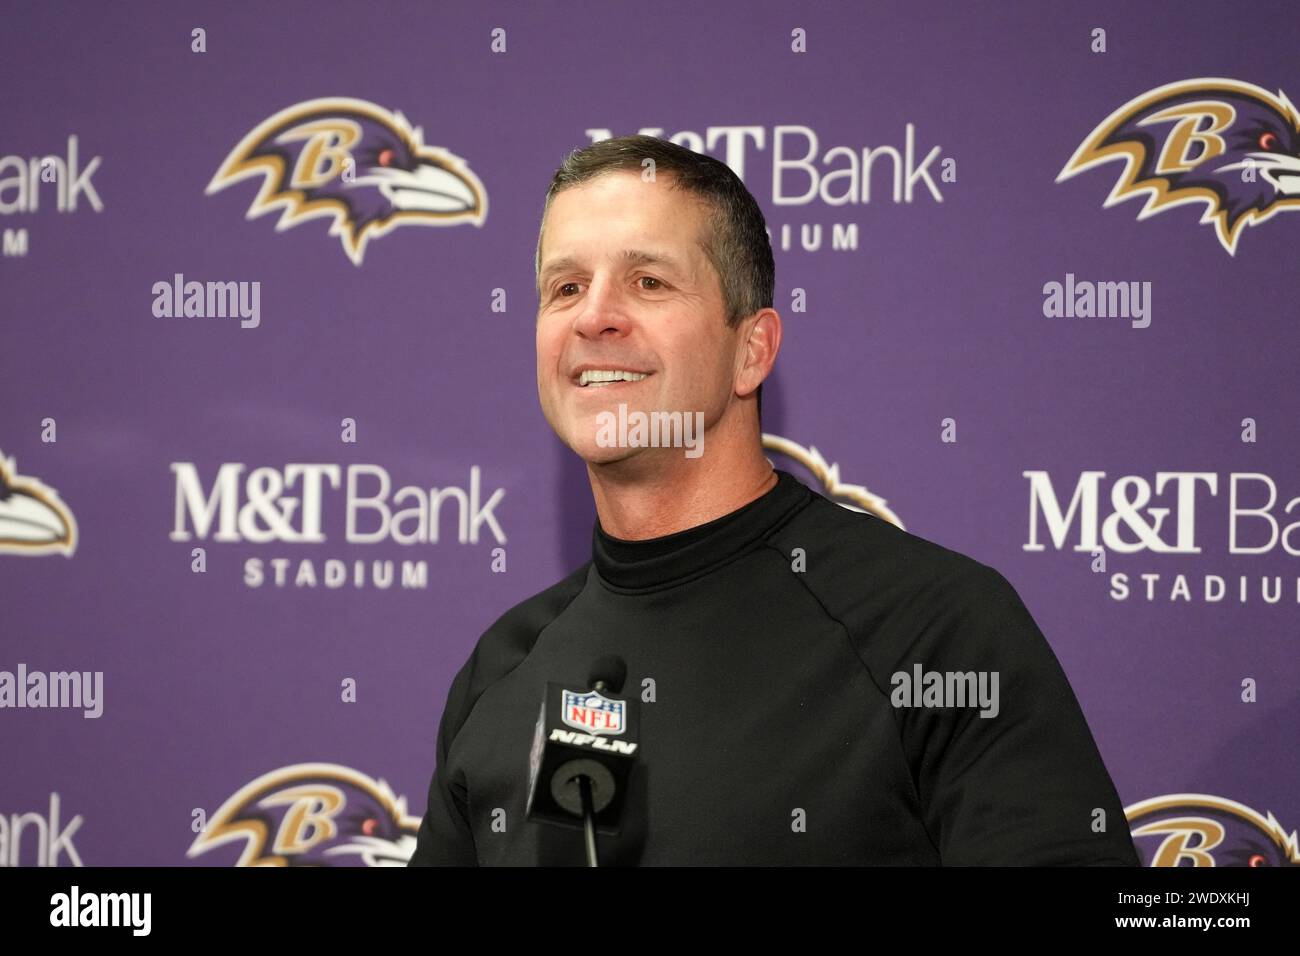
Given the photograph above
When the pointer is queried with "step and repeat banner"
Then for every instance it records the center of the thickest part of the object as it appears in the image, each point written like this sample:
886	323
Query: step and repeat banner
271	455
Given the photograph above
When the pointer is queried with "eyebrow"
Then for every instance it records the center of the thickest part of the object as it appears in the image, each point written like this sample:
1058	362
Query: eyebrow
631	257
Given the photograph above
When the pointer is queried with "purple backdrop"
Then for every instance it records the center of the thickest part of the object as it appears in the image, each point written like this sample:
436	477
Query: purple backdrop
221	693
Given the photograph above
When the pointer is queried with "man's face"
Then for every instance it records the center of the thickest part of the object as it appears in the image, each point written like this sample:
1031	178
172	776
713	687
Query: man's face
625	285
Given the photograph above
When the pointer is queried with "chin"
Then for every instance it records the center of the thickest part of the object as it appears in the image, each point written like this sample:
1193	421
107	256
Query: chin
582	442
594	454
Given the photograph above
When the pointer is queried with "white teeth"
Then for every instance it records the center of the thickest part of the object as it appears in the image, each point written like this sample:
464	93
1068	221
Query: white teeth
606	376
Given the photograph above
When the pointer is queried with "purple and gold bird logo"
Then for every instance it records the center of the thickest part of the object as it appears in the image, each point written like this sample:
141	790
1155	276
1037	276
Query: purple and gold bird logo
360	166
1232	146
1198	829
33	519
826	474
313	814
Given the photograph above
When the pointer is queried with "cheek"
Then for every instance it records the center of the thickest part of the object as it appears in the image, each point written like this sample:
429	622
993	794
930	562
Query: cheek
695	379
547	354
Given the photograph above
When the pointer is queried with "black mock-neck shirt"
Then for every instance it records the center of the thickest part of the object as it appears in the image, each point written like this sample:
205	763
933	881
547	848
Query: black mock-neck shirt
765	648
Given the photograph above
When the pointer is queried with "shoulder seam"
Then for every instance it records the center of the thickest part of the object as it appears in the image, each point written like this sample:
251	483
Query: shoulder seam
531	646
898	731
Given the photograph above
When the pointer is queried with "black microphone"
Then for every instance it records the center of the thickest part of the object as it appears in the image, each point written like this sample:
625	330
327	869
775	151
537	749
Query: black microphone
584	747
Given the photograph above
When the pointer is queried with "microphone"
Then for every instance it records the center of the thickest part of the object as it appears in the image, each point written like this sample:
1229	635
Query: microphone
584	748
607	674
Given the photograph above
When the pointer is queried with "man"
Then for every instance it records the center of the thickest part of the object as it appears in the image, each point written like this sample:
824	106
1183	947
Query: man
779	643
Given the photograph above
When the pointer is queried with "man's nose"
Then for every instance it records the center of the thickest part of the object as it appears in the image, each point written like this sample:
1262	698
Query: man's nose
604	307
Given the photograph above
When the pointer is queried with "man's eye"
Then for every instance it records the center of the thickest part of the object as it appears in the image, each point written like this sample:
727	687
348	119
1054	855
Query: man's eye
658	284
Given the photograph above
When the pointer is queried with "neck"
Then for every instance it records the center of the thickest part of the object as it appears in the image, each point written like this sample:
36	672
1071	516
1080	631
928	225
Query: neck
660	491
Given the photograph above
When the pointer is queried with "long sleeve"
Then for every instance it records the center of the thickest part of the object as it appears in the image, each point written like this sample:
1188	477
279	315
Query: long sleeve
1022	787
444	837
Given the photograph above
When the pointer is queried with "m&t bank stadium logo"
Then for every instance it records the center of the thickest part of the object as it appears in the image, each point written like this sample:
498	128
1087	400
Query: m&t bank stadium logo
1231	146
358	165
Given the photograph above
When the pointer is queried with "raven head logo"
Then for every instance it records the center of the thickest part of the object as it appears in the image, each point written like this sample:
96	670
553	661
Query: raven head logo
1230	145
1197	829
313	814
845	494
357	164
33	520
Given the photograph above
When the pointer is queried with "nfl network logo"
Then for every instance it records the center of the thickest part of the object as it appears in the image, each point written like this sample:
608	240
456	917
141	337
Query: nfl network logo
593	712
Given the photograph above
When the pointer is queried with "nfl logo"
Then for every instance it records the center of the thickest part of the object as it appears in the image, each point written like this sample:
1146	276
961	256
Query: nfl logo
593	712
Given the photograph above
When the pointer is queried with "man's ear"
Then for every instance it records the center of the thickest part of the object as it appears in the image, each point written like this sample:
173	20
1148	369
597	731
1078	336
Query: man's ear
762	343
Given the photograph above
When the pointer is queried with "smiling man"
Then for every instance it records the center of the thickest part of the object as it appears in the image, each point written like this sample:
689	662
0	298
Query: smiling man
815	684
629	290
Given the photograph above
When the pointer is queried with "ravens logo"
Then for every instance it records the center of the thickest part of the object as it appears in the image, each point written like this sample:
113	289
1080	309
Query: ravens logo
1197	829
1232	146
313	814
845	494
33	520
357	164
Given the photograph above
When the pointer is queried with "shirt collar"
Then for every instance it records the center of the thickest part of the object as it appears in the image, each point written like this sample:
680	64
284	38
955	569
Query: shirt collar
655	563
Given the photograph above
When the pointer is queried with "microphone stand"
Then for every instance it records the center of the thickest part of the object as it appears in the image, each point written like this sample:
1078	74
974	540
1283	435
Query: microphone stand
588	814
588	819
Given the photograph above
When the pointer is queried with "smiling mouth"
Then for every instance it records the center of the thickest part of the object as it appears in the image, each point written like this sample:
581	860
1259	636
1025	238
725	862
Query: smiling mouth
602	378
